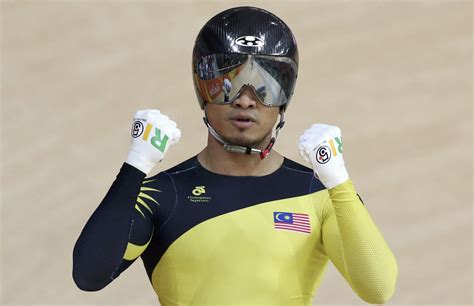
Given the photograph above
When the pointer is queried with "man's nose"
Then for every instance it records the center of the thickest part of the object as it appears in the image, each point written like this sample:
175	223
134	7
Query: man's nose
246	99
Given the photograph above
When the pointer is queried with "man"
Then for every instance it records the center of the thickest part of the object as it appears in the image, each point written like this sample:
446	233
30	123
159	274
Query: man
238	223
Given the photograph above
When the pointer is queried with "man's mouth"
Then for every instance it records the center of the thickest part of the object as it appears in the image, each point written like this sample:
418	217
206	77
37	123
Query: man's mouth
242	121
243	117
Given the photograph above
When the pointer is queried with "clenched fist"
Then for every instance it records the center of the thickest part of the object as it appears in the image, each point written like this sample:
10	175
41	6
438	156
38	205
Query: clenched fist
322	146
152	135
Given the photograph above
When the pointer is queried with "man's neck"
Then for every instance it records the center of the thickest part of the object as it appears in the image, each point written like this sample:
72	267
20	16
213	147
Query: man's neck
216	159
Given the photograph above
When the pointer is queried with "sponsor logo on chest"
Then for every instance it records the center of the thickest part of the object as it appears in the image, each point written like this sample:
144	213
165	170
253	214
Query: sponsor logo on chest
199	195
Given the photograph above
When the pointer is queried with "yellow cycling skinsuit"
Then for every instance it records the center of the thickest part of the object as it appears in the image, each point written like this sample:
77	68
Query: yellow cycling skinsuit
212	239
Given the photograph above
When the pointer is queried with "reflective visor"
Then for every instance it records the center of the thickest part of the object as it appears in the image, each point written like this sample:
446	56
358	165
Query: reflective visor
220	78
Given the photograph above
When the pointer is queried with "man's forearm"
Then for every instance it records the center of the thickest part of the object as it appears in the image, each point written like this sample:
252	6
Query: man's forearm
100	248
370	265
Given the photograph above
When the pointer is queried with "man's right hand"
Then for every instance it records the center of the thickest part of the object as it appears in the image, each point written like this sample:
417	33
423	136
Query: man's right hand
152	134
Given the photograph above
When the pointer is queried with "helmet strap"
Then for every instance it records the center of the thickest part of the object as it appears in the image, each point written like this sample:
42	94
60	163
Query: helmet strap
246	150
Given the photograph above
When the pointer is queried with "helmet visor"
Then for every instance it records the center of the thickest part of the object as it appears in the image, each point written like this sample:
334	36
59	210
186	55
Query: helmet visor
220	78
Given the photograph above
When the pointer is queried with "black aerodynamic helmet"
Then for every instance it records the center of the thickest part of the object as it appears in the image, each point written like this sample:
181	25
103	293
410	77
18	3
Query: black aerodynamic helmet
245	47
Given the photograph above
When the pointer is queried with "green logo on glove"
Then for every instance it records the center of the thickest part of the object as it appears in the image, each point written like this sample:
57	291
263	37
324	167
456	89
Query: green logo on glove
158	142
339	144
333	147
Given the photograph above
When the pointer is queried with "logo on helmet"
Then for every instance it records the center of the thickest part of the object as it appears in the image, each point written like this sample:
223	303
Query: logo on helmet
249	41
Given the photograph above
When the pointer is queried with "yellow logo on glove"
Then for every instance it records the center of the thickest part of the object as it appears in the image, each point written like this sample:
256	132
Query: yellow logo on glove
339	145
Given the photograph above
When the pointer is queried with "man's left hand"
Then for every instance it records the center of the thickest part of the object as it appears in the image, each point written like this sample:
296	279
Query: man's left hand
322	146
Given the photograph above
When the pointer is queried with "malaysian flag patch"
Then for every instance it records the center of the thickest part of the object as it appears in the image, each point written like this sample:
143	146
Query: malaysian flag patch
291	222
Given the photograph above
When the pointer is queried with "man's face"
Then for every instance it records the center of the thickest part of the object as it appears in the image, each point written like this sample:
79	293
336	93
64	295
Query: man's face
245	122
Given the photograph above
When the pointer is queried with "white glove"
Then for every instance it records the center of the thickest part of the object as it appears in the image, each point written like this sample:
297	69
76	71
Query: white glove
322	146
152	134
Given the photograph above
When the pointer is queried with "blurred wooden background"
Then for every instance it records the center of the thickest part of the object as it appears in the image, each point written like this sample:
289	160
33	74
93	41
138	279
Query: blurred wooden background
396	76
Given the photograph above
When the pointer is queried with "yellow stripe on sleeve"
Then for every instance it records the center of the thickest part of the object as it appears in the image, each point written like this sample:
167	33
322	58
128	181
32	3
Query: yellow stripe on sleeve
144	204
139	210
133	251
144	195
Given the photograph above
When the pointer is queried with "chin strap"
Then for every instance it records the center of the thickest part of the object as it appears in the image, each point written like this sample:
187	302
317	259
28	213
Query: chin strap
246	150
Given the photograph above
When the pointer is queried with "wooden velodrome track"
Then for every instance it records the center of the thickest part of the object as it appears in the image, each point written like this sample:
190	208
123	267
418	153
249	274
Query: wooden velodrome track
396	76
